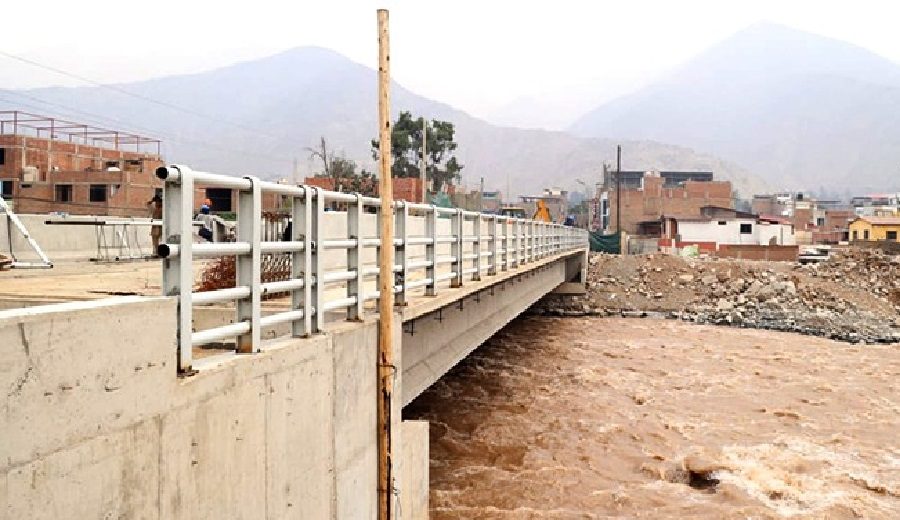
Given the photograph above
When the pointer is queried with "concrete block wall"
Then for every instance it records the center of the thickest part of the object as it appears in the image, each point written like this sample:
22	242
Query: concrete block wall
759	252
96	424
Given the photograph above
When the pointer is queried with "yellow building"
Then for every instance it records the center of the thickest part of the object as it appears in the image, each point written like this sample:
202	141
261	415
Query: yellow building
875	228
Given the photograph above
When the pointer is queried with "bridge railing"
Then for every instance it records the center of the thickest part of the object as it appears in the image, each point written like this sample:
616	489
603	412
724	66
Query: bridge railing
332	254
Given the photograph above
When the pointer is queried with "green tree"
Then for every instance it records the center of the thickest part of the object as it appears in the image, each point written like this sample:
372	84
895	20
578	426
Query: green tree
441	167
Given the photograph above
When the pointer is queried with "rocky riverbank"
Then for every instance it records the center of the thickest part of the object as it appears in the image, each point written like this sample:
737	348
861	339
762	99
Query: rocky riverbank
854	296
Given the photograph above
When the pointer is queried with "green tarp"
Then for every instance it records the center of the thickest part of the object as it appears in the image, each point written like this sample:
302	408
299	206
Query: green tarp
605	243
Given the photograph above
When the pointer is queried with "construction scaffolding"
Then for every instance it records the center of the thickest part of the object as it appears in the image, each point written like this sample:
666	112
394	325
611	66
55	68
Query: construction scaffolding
17	122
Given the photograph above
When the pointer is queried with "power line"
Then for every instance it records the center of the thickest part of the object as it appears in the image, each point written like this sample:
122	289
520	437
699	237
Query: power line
135	95
93	118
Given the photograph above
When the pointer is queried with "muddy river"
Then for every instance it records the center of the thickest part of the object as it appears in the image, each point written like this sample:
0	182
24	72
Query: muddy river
597	418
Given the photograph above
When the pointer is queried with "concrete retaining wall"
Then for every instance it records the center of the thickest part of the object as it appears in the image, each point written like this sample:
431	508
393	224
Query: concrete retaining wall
96	424
64	242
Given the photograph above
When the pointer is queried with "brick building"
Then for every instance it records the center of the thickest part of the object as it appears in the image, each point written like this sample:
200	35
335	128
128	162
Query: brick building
49	165
815	221
647	198
54	165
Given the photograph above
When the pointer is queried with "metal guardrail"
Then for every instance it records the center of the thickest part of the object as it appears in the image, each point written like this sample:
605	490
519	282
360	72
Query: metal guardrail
497	243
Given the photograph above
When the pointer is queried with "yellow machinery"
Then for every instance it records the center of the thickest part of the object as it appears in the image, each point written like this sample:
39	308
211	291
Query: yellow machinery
542	212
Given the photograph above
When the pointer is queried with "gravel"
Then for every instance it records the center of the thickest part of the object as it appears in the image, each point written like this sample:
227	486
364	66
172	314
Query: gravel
854	296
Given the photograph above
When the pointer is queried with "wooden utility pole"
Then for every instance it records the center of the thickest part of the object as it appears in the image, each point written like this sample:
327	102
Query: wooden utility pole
385	361
481	196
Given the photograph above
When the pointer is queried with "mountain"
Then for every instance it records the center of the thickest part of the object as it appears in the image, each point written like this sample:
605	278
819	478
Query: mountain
256	117
801	110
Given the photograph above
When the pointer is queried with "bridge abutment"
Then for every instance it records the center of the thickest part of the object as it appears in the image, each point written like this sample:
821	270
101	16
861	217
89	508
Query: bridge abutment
96	423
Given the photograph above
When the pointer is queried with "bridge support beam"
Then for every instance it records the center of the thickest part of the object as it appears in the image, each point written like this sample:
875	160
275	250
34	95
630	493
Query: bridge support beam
435	342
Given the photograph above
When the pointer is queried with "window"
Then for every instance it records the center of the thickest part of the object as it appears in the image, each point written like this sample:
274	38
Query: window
865	234
63	193
820	221
746	229
722	222
98	193
892	235
2	155
856	235
220	198
6	187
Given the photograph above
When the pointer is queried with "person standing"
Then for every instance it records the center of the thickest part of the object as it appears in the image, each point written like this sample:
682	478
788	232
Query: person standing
156	213
208	221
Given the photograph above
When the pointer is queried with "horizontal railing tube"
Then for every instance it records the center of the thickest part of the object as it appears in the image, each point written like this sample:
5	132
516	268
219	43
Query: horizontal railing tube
282	286
209	250
281	247
220	295
219	333
281	317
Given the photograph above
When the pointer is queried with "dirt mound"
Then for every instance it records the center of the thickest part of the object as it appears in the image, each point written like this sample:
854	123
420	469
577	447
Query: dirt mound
853	296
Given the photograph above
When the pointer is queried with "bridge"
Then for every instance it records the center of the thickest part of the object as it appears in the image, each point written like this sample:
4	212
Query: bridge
259	400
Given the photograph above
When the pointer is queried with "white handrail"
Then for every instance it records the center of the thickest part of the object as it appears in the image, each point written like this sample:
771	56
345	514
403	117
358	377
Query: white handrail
495	243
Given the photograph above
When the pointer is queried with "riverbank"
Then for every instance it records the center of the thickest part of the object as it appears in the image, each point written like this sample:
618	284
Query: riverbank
854	296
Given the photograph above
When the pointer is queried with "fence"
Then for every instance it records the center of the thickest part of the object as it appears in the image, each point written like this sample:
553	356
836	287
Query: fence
434	247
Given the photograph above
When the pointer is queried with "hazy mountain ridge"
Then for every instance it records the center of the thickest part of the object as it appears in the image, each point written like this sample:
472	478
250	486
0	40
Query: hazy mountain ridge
263	113
802	111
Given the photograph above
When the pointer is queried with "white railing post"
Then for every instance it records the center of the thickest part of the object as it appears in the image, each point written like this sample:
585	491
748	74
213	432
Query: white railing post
430	248
476	247
540	240
504	255
178	275
299	206
317	253
492	265
401	216
456	249
516	243
354	258
530	241
306	225
248	268
545	250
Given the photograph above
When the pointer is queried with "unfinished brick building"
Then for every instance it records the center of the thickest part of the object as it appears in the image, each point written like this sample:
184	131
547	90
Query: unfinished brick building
404	188
53	165
650	195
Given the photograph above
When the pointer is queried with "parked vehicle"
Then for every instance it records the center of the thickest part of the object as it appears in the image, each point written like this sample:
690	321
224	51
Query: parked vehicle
814	254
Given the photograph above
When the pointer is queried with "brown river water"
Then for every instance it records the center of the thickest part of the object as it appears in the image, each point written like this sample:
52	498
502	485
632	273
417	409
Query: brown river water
599	418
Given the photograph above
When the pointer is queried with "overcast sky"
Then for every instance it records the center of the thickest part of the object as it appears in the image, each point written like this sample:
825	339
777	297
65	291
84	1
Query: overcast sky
522	62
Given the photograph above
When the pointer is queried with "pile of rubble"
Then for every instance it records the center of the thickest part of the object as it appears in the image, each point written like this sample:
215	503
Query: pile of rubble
854	296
